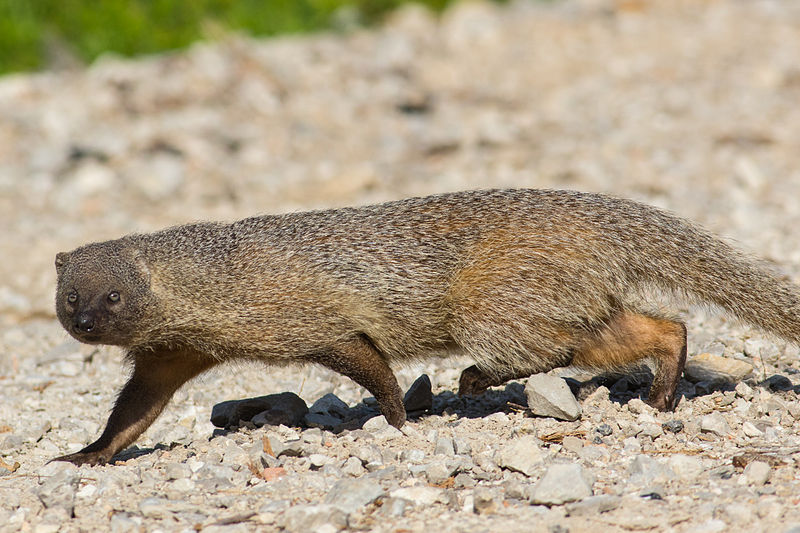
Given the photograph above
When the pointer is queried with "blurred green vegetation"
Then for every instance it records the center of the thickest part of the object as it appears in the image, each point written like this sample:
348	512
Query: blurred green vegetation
35	32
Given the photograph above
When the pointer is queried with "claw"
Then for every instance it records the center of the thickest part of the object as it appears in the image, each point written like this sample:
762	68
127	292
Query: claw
83	458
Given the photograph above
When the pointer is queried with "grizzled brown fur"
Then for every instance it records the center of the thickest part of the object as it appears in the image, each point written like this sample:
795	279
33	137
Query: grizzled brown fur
523	281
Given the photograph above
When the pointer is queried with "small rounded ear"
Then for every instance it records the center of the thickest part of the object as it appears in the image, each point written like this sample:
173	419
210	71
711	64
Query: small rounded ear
61	260
141	264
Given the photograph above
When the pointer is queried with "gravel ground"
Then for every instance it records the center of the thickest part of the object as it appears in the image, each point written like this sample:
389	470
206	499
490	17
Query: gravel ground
690	105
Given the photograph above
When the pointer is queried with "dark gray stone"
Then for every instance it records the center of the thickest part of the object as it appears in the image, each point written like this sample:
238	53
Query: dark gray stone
330	405
604	430
419	396
673	426
285	408
777	382
319	420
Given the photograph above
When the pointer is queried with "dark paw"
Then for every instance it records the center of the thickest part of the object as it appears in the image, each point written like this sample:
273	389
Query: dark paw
662	403
395	416
84	458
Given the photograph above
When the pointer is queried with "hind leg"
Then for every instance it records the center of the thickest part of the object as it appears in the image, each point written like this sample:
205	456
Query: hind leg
474	381
502	356
631	338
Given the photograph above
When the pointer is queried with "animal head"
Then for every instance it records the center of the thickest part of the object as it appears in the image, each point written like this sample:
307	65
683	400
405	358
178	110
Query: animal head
103	292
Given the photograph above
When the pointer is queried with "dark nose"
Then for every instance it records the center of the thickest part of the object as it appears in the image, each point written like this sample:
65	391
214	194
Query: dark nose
85	322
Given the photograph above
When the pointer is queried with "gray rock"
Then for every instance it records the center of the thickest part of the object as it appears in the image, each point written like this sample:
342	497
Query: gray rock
306	518
330	405
124	522
572	444
318	460
550	396
413	455
590	454
182	485
58	488
418	470
604	430
637	406
177	471
419	396
312	436
631	445
686	467
756	473
349	495
484	500
773	405
353	467
462	446
562	483
762	349
645	471
521	455
709	367
291	448
750	429
394	507
375	424
155	507
285	408
673	426
369	454
514	490
439	472
387	433
743	390
652	430
319	420
11	442
714	423
418	495
444	446
463	480
593	505
777	382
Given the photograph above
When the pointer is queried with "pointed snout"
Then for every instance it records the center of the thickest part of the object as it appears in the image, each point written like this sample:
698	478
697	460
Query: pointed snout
84	322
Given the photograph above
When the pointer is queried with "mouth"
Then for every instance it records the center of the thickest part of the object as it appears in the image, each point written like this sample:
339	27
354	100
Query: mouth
85	337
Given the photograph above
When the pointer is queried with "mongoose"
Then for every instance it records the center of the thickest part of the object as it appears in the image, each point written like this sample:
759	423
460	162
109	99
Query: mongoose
522	281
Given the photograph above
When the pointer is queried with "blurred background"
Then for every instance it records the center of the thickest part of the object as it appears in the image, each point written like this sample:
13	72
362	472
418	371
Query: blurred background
55	34
121	116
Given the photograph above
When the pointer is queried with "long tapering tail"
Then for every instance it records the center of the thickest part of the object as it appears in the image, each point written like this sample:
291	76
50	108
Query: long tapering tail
688	259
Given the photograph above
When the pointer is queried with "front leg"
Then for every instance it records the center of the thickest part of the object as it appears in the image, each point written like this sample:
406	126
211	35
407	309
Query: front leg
359	360
155	378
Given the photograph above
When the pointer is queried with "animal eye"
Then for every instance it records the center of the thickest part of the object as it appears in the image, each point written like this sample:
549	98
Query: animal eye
113	296
72	297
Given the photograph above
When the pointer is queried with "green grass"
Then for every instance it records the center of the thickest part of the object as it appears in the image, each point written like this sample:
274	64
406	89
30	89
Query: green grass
32	32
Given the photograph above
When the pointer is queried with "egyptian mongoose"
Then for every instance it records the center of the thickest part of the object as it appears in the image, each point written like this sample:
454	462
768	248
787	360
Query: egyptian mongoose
522	281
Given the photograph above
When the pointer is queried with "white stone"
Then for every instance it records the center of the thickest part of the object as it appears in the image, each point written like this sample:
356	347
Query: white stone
562	483
521	455
550	396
